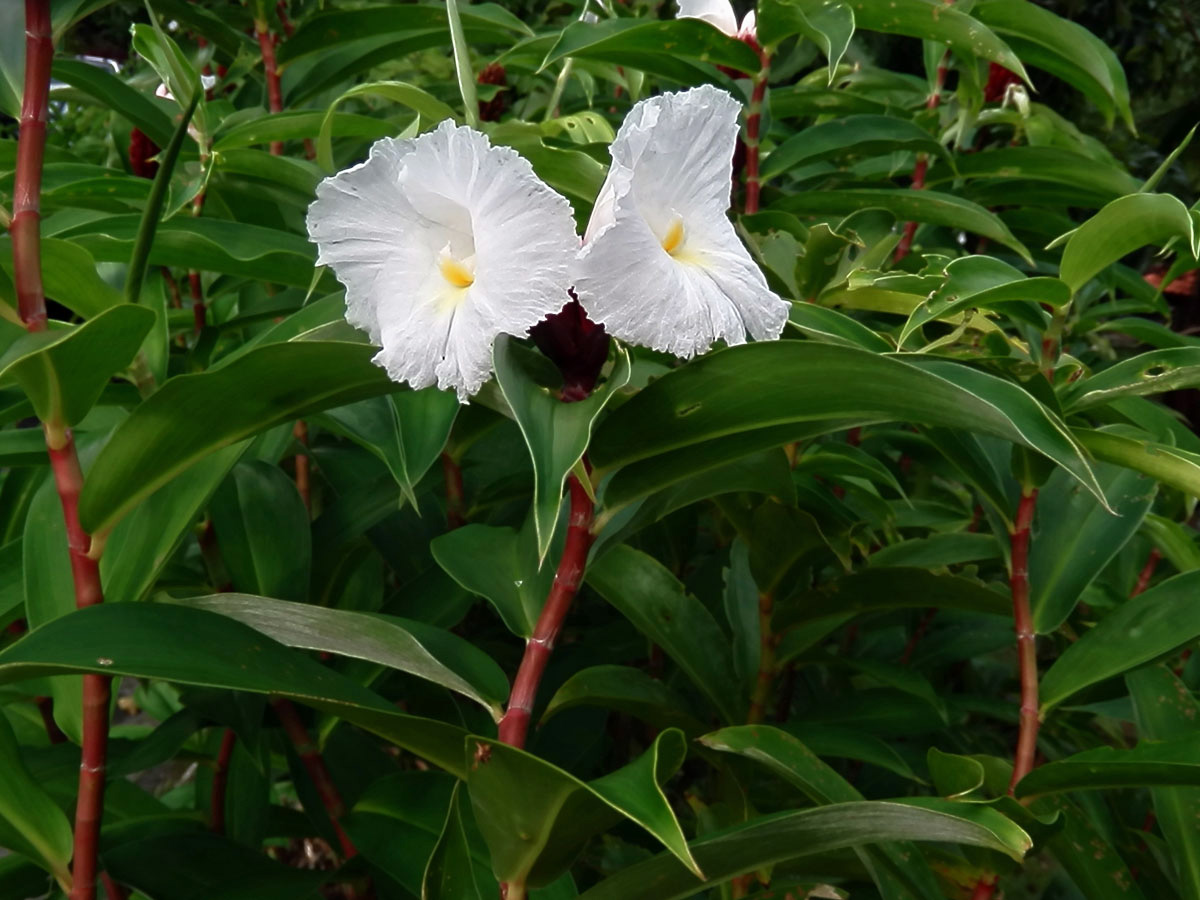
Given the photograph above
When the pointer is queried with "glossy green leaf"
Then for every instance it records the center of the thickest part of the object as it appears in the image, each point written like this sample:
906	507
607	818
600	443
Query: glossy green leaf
113	93
30	822
556	433
788	836
1123	226
420	101
1040	164
1176	542
193	415
1173	369
829	325
932	207
1142	629
828	25
535	817
929	20
69	277
627	690
413	647
1169	465
262	531
646	593
196	647
938	550
63	370
1167	711
293	125
853	135
790	383
1076	537
450	874
1154	763
639	45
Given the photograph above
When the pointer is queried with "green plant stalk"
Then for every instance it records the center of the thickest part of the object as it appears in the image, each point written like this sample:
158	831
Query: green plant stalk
462	65
753	124
148	226
60	443
1026	639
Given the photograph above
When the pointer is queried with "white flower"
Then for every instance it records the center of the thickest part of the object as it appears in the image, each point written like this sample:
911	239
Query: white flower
444	242
719	14
662	265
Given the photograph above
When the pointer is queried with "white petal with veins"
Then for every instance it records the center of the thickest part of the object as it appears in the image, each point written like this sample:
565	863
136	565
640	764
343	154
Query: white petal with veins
718	13
443	242
662	265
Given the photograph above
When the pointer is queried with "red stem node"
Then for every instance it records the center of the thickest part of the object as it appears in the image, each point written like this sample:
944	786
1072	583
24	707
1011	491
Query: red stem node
515	724
753	124
266	46
27	184
1026	640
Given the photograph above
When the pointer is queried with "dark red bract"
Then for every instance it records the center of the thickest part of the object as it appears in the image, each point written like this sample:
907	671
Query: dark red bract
576	344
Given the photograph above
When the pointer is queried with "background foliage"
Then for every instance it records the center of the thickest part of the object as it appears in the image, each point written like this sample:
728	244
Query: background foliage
792	668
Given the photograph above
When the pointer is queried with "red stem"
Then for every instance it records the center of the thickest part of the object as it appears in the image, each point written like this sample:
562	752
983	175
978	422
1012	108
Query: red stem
753	123
1147	572
1026	641
922	164
27	186
984	888
515	723
111	889
300	433
310	755
220	780
60	444
266	45
45	706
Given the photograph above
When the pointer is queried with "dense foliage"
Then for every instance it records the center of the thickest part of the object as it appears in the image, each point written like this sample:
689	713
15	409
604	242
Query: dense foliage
791	667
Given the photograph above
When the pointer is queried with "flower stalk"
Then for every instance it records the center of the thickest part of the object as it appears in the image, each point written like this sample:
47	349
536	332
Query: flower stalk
514	726
1026	639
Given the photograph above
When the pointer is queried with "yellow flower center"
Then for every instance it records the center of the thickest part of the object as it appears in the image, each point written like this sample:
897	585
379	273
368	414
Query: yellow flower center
456	272
674	237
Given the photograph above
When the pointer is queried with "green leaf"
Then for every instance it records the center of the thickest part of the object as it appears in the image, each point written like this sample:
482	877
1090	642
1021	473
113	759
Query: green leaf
774	839
626	690
938	550
1175	542
293	125
194	415
1169	465
262	530
173	67
778	387
828	25
556	433
421	650
195	647
1123	226
1062	48
1039	164
646	593
69	277
1075	537
63	370
1150	763
932	207
420	101
671	49
500	564
205	243
1173	369
858	135
30	821
110	91
450	874
828	325
535	817
1167	711
930	20
1142	629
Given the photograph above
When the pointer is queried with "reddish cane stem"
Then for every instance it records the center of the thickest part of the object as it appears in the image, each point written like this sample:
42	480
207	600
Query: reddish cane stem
220	780
515	723
289	718
266	45
60	445
1026	642
111	889
300	433
766	661
452	475
1147	572
753	123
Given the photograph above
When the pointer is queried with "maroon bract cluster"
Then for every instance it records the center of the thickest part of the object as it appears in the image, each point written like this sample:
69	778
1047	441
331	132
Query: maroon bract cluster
142	151
492	110
999	78
576	344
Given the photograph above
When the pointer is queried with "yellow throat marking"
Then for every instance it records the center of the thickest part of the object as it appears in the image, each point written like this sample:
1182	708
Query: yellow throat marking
674	237
455	272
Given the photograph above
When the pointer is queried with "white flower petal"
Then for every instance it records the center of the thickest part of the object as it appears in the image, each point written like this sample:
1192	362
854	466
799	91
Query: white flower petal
443	242
718	13
749	27
662	265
